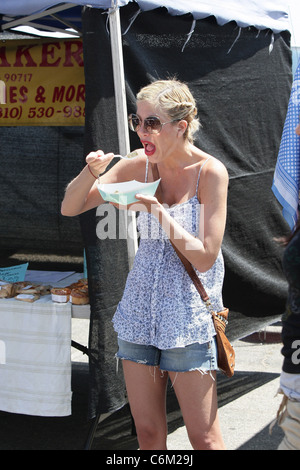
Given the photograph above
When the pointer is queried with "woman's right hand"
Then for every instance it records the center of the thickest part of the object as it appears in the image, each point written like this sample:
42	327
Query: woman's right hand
98	161
82	193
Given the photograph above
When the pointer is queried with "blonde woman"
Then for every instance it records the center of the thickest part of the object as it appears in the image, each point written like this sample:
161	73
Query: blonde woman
164	329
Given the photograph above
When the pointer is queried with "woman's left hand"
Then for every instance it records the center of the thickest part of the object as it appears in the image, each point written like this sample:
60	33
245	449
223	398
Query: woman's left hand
145	204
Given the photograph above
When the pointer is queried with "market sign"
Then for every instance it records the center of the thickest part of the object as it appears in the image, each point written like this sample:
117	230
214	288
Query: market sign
42	83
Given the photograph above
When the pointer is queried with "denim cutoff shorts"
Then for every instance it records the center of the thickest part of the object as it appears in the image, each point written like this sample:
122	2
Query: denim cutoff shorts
202	357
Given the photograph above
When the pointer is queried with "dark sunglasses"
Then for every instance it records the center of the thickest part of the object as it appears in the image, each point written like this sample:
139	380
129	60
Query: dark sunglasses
152	124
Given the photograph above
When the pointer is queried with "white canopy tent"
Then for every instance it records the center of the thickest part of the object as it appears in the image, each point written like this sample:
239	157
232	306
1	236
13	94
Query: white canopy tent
17	14
259	13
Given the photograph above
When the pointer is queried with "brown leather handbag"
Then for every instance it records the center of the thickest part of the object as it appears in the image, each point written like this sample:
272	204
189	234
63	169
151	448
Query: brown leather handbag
226	353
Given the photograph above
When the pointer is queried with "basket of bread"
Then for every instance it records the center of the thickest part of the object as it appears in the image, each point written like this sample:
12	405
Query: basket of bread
25	291
76	293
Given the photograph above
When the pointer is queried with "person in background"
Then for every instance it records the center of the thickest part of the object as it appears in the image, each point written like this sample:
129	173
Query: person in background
289	412
164	329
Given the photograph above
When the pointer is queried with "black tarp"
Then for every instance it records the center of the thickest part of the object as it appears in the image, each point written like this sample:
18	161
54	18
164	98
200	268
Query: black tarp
36	165
242	90
241	80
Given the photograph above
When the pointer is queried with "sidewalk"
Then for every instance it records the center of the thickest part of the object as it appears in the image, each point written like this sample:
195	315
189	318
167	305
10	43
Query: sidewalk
247	402
247	406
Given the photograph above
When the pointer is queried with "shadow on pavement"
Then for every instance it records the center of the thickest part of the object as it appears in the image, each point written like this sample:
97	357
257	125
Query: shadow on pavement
263	440
22	432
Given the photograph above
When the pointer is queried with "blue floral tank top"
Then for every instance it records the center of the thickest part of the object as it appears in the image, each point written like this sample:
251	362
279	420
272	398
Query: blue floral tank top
160	305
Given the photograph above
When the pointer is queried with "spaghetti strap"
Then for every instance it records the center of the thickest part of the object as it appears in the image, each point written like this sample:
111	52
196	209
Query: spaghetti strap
147	167
198	179
200	173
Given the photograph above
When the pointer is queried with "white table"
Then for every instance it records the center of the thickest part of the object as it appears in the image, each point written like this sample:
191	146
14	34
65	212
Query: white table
35	352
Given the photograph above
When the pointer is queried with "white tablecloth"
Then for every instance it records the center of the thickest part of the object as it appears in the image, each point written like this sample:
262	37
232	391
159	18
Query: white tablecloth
35	357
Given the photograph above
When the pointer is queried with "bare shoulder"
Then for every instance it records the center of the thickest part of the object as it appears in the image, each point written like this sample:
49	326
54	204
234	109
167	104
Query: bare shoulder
213	181
215	169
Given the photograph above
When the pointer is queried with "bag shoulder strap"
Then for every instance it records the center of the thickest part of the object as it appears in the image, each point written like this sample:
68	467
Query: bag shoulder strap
191	272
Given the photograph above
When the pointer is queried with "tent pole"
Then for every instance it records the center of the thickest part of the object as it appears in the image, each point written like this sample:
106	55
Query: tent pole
119	79
121	109
92	432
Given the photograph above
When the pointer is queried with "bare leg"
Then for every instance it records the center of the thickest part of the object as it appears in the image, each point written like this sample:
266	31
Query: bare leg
146	389
197	397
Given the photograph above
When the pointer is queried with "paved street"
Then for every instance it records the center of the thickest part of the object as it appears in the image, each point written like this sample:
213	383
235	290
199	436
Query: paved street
250	403
247	402
247	406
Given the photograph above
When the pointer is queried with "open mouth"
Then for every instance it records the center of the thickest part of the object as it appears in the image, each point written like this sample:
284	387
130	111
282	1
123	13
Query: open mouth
149	148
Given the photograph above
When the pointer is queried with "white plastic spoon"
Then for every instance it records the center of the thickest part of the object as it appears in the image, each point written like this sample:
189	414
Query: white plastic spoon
129	156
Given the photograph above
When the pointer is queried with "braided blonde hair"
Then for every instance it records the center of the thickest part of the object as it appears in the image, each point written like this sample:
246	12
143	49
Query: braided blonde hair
174	99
